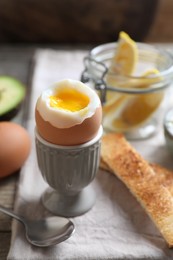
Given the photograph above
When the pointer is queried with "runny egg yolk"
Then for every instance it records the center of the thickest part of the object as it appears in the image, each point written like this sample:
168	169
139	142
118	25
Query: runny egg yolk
70	100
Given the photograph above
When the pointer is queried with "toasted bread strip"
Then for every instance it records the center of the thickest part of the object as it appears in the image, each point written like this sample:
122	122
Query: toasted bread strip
152	189
104	166
164	176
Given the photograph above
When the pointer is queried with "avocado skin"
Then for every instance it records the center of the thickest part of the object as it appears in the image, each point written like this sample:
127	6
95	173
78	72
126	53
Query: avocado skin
13	111
10	114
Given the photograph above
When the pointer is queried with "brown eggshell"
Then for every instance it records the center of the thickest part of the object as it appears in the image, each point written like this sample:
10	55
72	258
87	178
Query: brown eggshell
75	135
15	146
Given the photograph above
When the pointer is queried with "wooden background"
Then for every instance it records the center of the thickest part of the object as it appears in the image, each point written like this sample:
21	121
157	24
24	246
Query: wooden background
162	27
17	62
86	21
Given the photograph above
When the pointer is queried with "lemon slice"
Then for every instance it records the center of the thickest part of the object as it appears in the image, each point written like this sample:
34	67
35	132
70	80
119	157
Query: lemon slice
128	111
123	62
150	72
135	109
148	79
143	106
126	55
145	81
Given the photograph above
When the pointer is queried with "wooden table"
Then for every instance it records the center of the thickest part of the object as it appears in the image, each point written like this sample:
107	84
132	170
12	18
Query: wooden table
16	62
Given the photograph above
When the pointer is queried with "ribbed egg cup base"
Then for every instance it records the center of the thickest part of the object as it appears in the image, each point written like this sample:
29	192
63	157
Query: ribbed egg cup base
69	206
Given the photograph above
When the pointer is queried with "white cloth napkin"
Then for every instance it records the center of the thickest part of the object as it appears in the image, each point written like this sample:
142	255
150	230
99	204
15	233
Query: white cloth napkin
116	227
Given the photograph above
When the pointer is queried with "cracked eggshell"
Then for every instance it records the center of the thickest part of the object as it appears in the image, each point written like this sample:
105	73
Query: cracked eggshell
79	133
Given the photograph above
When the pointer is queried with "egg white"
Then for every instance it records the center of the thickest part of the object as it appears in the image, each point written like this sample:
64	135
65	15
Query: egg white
61	118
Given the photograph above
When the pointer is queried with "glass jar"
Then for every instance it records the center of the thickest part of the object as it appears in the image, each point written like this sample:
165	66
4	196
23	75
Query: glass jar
132	105
168	129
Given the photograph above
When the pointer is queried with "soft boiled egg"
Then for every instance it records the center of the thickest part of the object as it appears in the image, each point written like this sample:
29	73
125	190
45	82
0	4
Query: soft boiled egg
68	113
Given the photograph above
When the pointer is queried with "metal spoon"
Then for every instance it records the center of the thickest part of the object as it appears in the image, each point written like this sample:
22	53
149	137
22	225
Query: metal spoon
44	232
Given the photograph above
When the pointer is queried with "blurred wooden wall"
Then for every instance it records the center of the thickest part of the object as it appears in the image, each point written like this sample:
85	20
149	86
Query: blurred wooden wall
162	26
85	21
74	21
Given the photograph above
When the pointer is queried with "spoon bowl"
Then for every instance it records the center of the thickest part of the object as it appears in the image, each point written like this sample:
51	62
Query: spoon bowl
44	232
50	231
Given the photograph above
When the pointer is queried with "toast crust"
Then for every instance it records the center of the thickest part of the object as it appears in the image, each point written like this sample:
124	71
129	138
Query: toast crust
151	184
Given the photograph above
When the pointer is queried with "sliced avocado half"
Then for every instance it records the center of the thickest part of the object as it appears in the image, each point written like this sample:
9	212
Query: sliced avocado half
12	93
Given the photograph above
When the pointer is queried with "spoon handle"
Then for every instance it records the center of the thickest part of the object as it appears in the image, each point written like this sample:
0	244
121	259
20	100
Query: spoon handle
10	213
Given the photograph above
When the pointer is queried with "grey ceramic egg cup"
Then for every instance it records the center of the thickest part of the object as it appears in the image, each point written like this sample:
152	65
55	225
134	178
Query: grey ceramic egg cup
69	171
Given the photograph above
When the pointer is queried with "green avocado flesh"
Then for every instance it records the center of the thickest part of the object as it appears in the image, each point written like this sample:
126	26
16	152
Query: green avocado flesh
12	93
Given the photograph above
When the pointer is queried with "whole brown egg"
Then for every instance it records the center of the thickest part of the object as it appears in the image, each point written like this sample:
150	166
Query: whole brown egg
15	145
